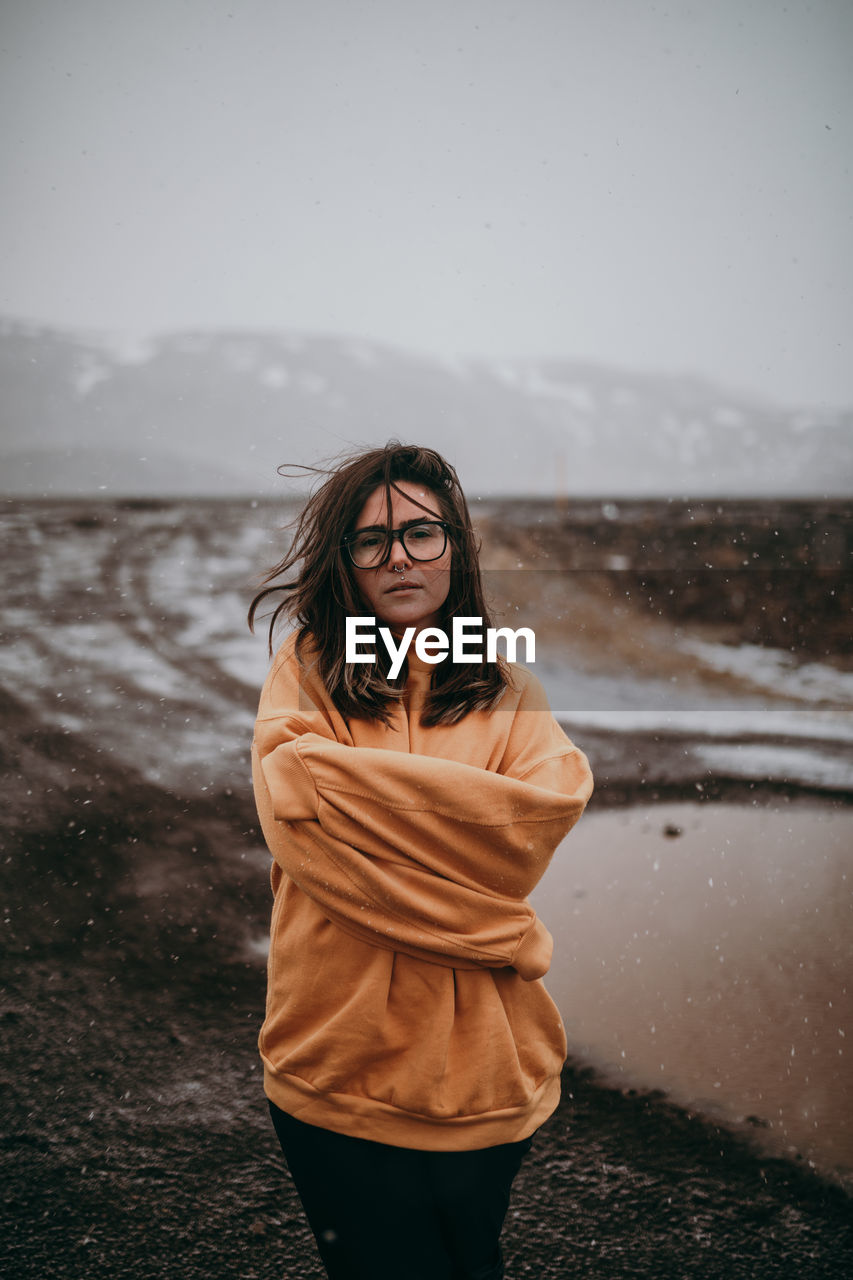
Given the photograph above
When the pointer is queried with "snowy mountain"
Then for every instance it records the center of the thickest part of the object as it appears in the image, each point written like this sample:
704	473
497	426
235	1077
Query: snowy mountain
216	413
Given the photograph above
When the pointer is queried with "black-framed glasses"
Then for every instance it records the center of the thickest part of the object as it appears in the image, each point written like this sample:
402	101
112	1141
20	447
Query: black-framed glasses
424	540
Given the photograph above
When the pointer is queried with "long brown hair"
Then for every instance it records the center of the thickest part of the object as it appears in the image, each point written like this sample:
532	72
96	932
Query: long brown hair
323	590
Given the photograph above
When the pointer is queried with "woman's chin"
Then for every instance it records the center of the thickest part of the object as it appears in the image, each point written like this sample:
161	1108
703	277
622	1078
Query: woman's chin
407	612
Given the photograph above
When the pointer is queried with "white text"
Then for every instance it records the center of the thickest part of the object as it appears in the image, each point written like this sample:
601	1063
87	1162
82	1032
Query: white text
434	645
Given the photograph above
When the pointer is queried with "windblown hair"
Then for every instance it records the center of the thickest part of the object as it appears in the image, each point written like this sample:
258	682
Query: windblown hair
324	587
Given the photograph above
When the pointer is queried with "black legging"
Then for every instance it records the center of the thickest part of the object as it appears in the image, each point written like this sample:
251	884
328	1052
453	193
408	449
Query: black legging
391	1213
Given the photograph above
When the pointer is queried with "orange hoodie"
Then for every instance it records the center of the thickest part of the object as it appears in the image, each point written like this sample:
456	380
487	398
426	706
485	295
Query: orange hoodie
404	999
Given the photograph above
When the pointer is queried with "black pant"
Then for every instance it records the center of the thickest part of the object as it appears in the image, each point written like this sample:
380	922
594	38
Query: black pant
391	1213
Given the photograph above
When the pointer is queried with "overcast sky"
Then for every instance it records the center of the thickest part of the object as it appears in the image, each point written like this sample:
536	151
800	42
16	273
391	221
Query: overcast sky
661	186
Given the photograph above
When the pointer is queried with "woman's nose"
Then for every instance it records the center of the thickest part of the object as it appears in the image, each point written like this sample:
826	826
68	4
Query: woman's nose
399	556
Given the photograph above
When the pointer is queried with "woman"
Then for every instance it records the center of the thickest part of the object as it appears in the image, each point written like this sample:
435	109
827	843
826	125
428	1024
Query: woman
410	1049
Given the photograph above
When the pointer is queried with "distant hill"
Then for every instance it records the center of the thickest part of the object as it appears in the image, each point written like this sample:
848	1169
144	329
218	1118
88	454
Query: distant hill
216	413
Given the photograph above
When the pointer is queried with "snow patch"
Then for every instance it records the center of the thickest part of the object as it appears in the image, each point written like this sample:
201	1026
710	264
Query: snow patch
708	722
131	348
777	670
803	765
530	380
275	376
89	373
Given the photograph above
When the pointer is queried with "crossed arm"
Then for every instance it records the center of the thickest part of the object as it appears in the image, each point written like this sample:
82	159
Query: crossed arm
415	853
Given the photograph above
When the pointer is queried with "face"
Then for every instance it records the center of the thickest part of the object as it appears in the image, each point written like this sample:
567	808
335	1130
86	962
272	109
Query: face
403	592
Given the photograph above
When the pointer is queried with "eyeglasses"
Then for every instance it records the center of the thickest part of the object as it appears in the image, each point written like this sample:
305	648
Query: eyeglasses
370	548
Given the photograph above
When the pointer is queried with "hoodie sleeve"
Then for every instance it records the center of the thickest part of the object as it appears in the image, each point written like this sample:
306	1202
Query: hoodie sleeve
416	852
400	906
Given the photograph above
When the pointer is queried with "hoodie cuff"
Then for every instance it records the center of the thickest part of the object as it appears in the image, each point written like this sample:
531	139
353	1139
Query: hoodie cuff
532	958
291	787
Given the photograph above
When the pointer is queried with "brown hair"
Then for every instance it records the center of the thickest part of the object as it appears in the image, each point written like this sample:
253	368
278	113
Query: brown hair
324	589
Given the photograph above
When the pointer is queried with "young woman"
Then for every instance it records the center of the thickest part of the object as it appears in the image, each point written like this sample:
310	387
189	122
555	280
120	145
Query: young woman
410	1049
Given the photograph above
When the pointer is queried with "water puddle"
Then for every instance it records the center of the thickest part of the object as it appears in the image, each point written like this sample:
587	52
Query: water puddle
707	951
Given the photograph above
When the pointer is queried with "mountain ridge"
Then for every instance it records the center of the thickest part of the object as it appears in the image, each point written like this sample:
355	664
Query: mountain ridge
217	412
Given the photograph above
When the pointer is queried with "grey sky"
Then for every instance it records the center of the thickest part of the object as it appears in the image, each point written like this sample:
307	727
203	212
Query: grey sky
661	186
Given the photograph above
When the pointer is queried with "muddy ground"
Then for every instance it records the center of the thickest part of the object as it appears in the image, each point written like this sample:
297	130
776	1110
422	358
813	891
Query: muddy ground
135	1137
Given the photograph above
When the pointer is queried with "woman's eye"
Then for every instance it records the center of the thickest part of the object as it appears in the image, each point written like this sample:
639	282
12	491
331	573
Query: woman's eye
368	540
420	532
